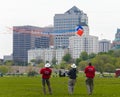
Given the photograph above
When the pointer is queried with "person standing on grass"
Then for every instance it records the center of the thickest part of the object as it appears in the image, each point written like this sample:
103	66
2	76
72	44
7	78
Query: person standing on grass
46	73
90	74
72	78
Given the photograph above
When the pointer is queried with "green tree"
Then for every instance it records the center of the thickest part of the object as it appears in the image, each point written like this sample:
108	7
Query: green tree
116	53
3	69
106	58
109	68
41	65
77	61
54	61
101	60
36	61
110	52
8	63
33	61
117	63
67	58
63	65
92	55
82	65
84	56
99	64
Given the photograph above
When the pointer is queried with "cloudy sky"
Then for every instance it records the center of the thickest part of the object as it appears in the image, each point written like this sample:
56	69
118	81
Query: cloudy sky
103	16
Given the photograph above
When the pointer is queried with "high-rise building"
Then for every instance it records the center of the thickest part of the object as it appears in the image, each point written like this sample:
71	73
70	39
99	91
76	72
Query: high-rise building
116	42
22	42
65	25
104	45
25	38
68	21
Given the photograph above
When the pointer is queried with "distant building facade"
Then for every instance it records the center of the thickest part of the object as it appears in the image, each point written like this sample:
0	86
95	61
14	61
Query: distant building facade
42	42
104	45
79	44
46	54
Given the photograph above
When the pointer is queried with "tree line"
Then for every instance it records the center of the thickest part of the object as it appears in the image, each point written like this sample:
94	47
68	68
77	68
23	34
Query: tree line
103	61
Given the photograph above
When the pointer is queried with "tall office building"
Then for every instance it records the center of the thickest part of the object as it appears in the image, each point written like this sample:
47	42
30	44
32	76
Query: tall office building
66	23
25	38
116	42
104	45
21	43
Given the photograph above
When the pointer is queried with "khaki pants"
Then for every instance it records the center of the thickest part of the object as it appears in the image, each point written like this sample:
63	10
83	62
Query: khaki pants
90	85
71	84
44	83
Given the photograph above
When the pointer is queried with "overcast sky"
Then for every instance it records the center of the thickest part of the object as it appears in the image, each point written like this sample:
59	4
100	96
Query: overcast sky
103	16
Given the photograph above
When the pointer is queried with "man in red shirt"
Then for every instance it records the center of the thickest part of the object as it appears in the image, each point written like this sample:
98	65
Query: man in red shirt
46	73
90	74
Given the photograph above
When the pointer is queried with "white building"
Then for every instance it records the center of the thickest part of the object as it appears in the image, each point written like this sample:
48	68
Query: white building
79	44
46	54
60	53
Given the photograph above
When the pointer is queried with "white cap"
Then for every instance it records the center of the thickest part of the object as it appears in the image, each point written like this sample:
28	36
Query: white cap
73	66
47	65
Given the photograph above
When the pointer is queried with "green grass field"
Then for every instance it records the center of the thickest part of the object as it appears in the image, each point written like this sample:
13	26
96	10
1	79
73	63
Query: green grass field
31	87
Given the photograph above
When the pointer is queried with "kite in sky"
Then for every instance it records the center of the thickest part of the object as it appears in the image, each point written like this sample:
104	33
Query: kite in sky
79	30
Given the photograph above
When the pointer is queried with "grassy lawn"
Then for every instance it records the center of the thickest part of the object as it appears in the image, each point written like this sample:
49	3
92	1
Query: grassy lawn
31	87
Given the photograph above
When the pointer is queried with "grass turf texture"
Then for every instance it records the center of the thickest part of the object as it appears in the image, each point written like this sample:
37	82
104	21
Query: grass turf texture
31	87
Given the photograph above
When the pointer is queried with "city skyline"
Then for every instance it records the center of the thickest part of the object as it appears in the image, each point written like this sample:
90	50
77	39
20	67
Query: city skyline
103	17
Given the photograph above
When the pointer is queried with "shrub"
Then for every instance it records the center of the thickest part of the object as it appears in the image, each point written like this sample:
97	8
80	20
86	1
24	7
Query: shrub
32	73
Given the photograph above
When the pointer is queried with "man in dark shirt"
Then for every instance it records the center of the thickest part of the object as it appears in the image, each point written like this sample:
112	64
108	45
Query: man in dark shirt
46	73
72	78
